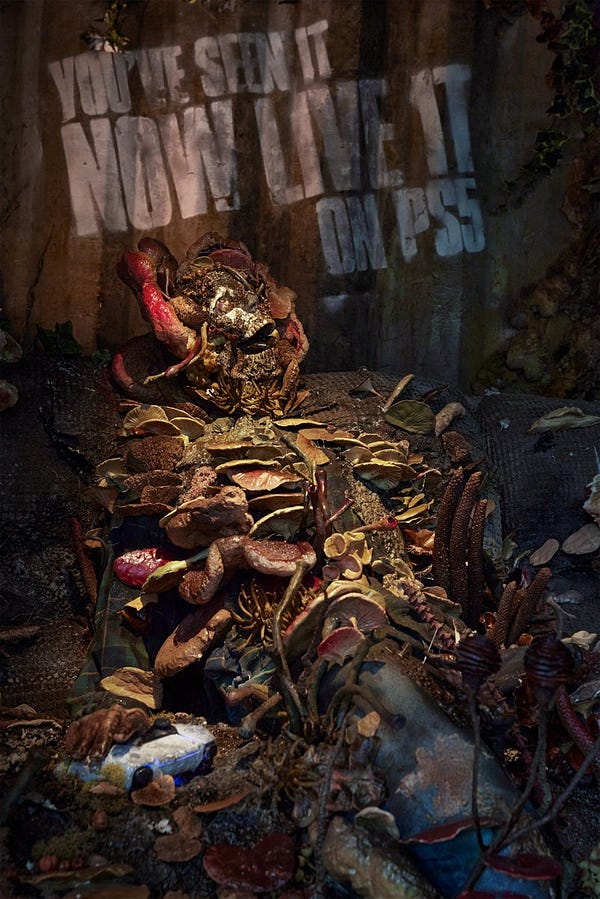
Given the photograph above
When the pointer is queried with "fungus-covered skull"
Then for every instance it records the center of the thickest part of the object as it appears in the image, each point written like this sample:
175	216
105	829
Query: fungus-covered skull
233	329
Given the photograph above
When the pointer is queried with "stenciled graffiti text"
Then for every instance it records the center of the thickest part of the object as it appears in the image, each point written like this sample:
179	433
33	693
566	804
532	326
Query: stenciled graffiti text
317	138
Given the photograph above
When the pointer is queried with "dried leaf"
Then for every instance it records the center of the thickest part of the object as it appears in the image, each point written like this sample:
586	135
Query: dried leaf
143	686
10	350
310	450
402	383
260	480
159	791
64	879
9	395
544	552
271	502
329	435
105	788
442	832
266	866
365	386
385	475
412	416
527	865
122	891
508	547
565	417
207	808
486	894
412	513
300	423
281	523
177	847
23	711
421	539
585	540
30	722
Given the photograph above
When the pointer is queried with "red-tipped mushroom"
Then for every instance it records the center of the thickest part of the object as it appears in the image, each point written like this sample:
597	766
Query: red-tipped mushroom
340	645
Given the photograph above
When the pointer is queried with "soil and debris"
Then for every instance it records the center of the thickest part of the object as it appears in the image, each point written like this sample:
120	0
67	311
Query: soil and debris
261	797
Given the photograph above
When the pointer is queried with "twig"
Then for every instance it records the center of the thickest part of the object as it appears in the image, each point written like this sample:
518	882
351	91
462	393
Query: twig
324	792
499	842
365	694
34	763
288	689
474	711
560	801
250	722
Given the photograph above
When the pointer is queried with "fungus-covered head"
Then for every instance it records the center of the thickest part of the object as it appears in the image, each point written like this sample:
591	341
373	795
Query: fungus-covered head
234	330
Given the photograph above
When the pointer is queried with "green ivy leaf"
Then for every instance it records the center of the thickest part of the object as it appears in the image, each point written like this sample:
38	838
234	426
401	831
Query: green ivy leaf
60	341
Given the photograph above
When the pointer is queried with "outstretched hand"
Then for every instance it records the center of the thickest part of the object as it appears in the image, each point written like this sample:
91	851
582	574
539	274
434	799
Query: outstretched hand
92	736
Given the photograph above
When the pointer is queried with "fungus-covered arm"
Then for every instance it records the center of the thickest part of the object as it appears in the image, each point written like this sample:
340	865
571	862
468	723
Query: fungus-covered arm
139	272
272	557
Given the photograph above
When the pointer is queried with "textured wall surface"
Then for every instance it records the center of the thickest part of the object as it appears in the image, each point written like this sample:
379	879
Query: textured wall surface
358	148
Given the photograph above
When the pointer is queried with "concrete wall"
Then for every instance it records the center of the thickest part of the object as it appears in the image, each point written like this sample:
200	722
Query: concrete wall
357	147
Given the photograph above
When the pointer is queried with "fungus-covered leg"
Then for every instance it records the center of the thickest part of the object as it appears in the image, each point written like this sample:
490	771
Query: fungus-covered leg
92	736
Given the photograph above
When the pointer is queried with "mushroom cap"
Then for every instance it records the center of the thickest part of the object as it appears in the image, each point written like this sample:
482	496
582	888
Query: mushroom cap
354	610
175	655
207	518
155	452
277	557
340	644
